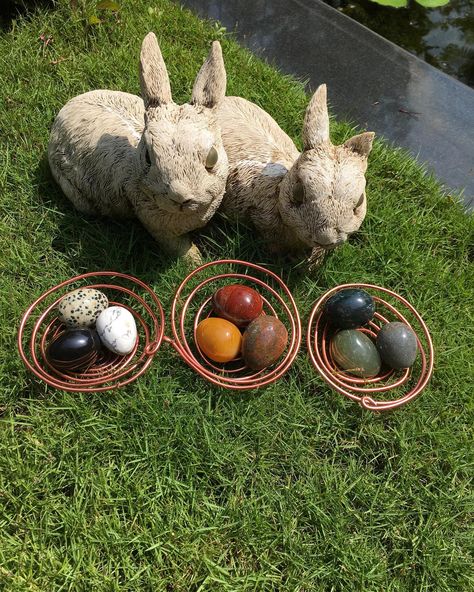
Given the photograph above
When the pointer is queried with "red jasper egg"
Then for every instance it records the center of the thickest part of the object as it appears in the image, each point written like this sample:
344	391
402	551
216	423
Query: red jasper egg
263	342
238	304
218	339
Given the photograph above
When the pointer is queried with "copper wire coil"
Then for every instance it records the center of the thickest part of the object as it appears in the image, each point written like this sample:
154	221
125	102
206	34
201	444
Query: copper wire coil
362	390
106	371
278	301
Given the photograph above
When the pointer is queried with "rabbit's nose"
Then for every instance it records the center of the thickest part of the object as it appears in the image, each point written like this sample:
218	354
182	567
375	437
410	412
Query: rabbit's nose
178	192
186	203
341	237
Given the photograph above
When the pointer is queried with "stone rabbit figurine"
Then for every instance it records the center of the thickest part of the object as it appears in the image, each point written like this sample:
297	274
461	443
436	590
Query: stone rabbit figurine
312	200
117	155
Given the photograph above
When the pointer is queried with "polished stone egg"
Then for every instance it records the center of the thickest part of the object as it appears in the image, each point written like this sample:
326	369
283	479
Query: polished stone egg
73	350
80	308
218	339
117	329
350	308
238	304
263	342
355	352
397	345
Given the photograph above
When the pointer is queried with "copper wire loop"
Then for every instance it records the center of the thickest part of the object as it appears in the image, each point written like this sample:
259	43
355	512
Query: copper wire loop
362	390
191	303
189	308
106	370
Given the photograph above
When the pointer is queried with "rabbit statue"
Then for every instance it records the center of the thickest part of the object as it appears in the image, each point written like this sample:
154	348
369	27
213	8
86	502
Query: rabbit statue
312	200
117	155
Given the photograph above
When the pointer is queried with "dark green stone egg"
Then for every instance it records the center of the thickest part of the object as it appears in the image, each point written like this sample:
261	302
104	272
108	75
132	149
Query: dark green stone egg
397	345
350	308
354	352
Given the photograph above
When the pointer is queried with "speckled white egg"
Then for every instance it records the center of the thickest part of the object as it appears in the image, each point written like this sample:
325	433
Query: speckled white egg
117	329
81	307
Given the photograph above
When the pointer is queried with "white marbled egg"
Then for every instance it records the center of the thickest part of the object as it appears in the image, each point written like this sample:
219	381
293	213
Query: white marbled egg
81	307
117	329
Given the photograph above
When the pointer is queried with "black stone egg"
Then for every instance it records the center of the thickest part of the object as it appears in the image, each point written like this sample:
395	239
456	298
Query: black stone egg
74	349
350	308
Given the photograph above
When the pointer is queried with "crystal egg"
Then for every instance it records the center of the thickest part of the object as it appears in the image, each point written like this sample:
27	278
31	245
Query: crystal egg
238	304
263	342
218	339
350	308
397	345
74	349
355	352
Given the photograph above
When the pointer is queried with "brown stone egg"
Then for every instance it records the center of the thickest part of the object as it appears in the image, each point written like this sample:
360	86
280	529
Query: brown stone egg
263	342
238	304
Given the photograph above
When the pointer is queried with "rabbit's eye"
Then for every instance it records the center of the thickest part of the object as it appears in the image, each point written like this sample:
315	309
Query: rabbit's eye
360	202
147	157
211	159
298	193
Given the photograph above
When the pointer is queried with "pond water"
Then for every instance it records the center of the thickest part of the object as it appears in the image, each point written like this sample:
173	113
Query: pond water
443	37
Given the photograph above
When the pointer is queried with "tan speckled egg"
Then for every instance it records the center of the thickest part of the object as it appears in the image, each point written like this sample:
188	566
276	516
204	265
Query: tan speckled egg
81	307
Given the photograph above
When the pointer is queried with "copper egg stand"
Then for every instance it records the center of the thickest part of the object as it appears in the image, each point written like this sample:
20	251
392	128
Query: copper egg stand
235	376
108	371
361	390
190	304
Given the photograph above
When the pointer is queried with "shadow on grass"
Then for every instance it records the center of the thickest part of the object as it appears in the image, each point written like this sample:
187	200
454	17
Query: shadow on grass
92	243
98	243
11	10
223	238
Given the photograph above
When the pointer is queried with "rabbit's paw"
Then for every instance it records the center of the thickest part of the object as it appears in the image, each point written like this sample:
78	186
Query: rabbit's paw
316	258
193	256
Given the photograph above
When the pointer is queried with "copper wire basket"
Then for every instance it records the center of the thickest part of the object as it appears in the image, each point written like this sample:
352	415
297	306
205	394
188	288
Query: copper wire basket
192	303
401	386
107	371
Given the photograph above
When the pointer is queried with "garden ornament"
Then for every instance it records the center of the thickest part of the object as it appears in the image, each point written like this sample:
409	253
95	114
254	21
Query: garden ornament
117	155
297	201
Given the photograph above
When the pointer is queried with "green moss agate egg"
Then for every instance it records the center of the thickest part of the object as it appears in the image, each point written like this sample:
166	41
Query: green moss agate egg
354	352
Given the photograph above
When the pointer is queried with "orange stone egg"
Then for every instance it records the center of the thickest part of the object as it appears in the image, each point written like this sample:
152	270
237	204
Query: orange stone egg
218	339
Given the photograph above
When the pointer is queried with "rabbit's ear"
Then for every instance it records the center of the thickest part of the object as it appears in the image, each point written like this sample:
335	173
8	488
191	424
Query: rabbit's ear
209	86
316	120
361	144
154	79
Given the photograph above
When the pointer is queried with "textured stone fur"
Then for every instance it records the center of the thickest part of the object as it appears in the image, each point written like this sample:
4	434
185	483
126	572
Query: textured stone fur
117	155
312	200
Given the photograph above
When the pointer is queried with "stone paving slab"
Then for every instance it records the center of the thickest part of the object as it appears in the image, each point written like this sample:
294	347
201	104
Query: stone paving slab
371	81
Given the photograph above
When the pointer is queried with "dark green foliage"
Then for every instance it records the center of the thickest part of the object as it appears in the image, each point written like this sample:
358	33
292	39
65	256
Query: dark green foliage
171	484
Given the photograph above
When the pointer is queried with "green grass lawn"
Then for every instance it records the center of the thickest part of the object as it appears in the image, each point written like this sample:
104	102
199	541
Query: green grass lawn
171	484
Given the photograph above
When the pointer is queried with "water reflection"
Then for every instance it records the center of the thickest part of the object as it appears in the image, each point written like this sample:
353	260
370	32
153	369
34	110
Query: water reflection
443	37
371	82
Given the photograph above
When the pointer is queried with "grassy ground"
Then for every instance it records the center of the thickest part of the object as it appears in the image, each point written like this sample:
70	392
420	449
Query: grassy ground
174	485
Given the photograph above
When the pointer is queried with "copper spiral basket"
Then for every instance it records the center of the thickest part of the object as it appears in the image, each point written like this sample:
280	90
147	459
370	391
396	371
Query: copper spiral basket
192	302
401	386
105	370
